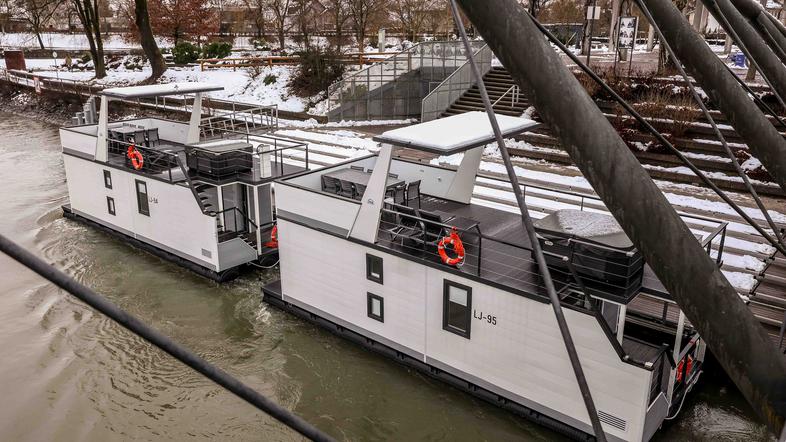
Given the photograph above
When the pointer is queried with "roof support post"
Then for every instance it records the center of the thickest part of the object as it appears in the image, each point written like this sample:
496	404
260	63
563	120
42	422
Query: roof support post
719	84
691	277
464	181
366	223
196	118
103	128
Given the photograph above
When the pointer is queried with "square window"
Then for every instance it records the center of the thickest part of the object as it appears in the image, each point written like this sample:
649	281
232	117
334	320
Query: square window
374	268
457	308
141	198
110	205
107	179
375	307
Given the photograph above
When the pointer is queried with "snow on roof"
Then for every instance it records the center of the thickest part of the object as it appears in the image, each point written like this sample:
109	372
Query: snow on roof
598	227
159	90
457	133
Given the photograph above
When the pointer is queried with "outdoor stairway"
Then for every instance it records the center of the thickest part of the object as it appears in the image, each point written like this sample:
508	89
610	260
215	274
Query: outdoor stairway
203	198
498	84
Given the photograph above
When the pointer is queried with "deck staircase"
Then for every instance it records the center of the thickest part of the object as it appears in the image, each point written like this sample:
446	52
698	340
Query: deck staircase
503	93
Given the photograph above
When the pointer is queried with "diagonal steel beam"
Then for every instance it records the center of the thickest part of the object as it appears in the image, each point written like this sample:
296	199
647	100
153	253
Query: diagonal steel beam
691	277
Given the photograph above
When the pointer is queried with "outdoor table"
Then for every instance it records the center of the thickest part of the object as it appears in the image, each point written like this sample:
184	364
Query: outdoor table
359	177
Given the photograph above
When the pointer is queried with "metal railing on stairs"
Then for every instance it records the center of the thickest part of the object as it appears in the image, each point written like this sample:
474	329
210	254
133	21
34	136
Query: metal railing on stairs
394	87
454	86
514	92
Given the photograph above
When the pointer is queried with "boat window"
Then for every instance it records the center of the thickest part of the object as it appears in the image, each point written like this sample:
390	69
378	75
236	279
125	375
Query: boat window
374	268
456	307
110	205
141	198
376	307
107	179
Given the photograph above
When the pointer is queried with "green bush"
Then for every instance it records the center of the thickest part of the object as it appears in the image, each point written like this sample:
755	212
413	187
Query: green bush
217	49
86	57
269	79
318	70
185	52
260	45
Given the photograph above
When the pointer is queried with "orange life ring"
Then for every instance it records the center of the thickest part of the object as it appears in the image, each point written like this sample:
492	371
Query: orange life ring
687	370
273	243
458	247
137	160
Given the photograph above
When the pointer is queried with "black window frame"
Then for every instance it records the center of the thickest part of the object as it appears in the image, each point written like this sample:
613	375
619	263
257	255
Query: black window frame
446	299
369	299
110	205
370	261
139	200
107	179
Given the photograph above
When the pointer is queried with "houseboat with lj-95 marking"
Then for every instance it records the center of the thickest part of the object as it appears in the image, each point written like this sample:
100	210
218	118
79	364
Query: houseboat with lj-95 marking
197	193
409	265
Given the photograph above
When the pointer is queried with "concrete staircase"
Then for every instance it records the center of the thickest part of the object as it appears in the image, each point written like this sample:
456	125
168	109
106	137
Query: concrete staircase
498	83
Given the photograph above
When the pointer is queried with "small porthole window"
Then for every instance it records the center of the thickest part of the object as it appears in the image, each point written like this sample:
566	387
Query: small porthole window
374	268
107	179
110	205
376	307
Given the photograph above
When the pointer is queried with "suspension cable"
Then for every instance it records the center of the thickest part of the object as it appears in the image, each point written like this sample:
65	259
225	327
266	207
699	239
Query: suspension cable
530	229
707	115
756	98
777	243
163	342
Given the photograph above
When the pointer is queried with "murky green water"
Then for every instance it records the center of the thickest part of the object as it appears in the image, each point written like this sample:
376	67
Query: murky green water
67	373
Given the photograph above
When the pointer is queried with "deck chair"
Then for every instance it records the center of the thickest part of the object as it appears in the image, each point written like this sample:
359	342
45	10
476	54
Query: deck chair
330	184
152	137
413	229
347	189
434	229
360	189
398	193
413	193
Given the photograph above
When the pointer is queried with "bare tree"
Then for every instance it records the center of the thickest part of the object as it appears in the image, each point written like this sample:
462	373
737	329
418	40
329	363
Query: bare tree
339	12
304	19
280	12
148	40
88	13
38	13
413	15
364	13
258	11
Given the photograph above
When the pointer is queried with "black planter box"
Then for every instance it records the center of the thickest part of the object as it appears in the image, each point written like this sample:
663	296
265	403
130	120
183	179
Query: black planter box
219	158
600	252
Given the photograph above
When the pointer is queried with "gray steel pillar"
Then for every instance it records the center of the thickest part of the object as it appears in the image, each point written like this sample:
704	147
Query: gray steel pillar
719	84
768	62
693	279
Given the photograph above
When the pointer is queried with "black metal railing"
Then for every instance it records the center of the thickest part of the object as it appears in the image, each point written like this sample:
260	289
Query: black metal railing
241	223
154	162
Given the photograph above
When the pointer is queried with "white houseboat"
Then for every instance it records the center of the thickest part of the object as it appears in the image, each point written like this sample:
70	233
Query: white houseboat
197	193
360	256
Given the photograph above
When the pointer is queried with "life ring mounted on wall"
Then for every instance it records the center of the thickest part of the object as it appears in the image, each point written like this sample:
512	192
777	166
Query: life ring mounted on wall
454	240
137	160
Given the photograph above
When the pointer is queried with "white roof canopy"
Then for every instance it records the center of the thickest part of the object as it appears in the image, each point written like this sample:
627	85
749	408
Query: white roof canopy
456	133
160	90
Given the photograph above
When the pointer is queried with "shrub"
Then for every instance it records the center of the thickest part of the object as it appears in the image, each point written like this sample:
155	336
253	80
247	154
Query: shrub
217	49
185	52
318	70
269	79
86	57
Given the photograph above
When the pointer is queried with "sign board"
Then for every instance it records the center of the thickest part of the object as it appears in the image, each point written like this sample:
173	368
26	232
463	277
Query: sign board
627	30
593	13
15	60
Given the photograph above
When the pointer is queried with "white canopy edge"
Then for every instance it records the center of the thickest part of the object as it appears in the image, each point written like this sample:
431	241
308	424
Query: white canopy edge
160	90
455	133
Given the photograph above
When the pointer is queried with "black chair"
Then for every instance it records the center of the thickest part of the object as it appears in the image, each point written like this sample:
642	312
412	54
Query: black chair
398	193
360	168
389	223
413	193
347	189
330	184
369	170
152	137
434	228
360	189
413	229
393	175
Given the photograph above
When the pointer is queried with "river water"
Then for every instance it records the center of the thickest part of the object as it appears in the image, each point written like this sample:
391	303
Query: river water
68	373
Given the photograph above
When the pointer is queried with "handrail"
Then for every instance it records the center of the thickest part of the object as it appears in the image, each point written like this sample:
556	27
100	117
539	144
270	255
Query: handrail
514	96
242	213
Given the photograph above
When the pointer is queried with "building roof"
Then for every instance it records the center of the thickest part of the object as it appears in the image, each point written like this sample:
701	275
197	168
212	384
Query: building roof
456	133
160	90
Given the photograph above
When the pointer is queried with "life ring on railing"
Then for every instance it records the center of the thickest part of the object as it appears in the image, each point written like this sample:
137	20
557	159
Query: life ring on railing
273	243
137	160
687	369
458	247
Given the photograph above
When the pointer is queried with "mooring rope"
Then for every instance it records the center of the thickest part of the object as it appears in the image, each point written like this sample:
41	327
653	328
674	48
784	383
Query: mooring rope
165	343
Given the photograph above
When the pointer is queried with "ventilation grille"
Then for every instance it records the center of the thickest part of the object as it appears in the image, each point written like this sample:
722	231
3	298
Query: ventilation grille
206	253
612	420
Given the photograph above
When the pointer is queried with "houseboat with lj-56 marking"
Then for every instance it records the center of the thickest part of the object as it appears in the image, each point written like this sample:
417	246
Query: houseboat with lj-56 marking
197	193
409	265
